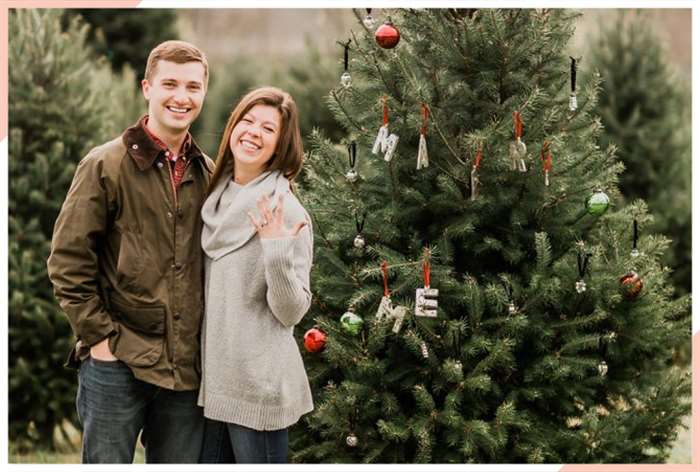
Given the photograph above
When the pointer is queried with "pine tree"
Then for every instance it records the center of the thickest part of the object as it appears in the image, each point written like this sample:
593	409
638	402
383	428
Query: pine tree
520	364
62	102
126	36
645	111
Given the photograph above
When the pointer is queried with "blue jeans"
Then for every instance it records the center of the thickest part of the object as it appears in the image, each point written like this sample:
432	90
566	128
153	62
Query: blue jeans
228	443
114	406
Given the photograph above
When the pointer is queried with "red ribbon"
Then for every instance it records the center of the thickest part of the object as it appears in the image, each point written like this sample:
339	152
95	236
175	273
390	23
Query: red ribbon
425	112
426	267
546	156
517	120
385	276
477	160
385	111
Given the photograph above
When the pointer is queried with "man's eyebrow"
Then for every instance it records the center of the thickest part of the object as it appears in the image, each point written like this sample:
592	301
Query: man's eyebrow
191	82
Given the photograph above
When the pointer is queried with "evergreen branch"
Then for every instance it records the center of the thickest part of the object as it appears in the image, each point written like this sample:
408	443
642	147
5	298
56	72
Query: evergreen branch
376	65
345	112
444	140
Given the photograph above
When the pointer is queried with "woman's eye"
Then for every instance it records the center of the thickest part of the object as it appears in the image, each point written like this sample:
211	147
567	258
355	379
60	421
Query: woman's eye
269	130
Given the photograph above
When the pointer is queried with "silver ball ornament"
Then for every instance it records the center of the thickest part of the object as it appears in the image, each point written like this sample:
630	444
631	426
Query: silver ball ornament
359	242
345	79
573	104
351	175
369	22
351	440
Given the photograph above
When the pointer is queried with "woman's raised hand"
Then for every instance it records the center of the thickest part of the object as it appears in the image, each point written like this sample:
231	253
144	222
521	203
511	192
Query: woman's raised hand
272	226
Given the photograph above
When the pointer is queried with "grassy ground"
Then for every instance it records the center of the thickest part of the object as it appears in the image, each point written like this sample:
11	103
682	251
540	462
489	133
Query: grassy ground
41	457
68	451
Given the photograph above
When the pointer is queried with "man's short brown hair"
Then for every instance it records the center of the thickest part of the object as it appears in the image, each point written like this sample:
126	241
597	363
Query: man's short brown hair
179	52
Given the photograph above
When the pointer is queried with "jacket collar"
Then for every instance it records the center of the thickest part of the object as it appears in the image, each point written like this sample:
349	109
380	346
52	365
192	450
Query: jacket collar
144	150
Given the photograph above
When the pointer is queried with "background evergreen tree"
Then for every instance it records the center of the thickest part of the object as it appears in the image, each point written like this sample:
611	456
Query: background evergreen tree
306	76
518	365
126	36
645	112
62	102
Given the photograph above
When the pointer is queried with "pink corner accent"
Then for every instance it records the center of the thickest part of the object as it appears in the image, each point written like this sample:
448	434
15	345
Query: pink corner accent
4	81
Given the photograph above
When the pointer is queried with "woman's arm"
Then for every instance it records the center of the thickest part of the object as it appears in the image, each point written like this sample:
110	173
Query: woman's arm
287	255
287	267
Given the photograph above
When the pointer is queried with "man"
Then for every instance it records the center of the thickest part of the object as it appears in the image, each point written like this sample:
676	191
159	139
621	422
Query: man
126	266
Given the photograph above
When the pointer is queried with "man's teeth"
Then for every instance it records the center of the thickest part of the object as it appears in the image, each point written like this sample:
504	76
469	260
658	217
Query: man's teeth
178	110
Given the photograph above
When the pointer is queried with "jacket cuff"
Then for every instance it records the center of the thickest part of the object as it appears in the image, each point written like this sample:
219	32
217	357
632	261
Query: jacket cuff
93	334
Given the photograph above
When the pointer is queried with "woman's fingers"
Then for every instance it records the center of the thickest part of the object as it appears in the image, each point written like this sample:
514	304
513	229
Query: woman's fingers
298	227
279	211
254	221
264	210
271	223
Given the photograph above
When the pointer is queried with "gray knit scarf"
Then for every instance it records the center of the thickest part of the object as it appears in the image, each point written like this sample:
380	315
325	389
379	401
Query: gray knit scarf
227	227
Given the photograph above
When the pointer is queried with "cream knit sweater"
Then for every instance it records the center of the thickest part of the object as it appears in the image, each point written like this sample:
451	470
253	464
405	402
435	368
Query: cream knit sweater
256	290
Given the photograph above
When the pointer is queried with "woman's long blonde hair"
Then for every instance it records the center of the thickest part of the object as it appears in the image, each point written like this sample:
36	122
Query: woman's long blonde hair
289	152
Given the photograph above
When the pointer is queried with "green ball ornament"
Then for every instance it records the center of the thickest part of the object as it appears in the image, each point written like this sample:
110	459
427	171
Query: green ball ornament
598	203
351	323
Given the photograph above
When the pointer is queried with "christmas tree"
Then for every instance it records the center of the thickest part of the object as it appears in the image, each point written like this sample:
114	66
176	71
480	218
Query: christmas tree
645	111
62	102
475	298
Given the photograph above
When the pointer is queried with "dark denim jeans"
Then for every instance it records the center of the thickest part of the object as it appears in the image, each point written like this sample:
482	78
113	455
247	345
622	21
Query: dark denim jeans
227	443
114	406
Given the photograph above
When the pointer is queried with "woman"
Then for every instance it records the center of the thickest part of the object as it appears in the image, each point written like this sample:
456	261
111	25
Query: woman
258	243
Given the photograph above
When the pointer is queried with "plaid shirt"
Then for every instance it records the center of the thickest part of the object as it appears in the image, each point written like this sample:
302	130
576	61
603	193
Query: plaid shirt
177	165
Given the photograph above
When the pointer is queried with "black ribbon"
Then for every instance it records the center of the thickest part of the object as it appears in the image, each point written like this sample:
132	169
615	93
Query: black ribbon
509	291
347	48
583	263
352	154
635	235
359	224
573	74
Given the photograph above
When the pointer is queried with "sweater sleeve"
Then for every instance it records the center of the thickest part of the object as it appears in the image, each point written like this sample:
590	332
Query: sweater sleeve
287	266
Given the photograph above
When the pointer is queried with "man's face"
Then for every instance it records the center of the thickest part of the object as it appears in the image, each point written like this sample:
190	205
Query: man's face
175	94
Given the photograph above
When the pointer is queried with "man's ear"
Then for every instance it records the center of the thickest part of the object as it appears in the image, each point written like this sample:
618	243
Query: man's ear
146	89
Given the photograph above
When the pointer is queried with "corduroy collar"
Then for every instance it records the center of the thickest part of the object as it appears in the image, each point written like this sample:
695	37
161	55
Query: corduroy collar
145	150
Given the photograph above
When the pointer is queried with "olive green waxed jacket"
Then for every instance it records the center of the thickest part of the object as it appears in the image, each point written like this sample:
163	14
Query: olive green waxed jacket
126	259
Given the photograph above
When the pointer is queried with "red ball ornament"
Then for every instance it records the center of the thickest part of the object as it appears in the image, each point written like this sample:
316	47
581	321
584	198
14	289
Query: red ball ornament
314	340
631	285
387	36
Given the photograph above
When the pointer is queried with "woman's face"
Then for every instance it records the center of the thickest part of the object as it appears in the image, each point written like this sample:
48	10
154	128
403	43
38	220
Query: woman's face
254	138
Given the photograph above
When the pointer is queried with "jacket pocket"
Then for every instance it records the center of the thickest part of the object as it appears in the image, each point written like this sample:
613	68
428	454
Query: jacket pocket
130	261
140	332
